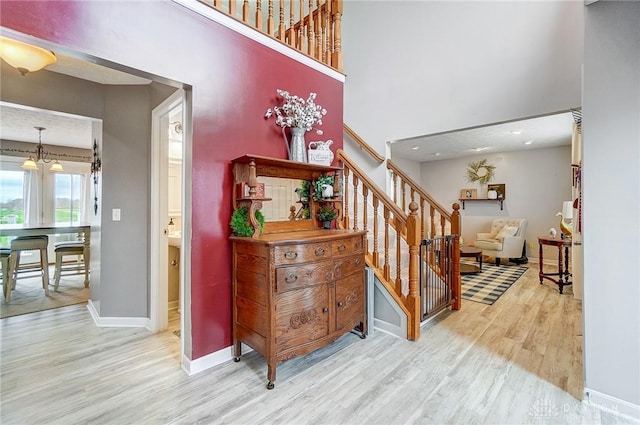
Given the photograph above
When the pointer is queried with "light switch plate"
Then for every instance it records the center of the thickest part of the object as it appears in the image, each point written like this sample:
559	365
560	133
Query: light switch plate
115	214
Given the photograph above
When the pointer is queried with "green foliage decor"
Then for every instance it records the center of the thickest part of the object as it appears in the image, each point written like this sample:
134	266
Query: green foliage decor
240	222
317	186
326	214
480	171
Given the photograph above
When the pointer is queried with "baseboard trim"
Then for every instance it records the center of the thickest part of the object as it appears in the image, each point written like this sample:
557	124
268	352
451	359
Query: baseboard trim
191	367
612	404
117	322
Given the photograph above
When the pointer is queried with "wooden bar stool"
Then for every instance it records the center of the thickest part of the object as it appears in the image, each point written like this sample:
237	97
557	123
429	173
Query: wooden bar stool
68	248
4	256
27	243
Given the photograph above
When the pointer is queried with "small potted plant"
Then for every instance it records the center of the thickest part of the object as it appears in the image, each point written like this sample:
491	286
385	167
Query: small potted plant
326	215
240	223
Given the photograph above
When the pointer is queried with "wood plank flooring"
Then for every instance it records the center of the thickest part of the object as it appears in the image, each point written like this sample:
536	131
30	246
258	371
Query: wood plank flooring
517	361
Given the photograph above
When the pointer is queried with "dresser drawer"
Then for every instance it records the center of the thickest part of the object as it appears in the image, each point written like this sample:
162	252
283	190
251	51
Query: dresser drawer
346	246
295	277
295	254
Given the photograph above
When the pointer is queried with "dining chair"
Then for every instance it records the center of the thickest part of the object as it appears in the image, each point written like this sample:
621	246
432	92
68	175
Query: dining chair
27	243
62	249
4	257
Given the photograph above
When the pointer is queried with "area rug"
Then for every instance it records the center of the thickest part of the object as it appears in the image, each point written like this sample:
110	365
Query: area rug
29	297
487	286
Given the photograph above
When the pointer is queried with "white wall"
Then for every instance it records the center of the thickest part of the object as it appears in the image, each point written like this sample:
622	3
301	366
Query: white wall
536	182
416	68
611	181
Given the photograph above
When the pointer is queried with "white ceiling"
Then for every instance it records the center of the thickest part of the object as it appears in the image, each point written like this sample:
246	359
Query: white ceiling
540	132
17	122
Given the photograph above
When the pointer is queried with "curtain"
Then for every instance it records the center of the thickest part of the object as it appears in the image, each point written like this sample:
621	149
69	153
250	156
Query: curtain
32	197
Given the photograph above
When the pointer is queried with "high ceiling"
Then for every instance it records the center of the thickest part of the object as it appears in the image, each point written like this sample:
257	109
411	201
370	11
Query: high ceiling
535	133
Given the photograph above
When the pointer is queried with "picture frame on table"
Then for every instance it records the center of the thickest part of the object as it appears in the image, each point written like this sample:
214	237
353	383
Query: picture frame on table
469	194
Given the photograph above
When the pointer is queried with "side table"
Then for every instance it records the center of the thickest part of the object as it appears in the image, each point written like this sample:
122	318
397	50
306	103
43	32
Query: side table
472	252
563	275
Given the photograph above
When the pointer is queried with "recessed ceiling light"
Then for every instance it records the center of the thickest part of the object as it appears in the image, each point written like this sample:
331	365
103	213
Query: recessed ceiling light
516	131
436	154
480	149
415	147
528	142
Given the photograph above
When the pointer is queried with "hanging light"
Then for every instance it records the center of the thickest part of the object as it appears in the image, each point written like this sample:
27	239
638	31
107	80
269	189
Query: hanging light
25	57
40	155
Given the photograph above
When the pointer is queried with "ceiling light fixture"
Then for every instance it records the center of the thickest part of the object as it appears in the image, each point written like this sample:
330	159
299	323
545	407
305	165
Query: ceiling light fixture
41	155
516	131
528	142
480	149
415	147
25	57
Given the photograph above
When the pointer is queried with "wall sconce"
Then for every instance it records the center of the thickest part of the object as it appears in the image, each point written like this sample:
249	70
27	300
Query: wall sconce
41	155
96	166
25	57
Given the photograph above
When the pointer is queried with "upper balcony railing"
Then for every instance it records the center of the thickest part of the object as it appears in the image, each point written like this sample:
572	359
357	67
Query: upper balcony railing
313	27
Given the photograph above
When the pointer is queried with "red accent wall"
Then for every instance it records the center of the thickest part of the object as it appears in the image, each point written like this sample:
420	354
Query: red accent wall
233	81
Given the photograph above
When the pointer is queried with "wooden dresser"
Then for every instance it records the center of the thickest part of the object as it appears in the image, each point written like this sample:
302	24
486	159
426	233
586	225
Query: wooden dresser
296	290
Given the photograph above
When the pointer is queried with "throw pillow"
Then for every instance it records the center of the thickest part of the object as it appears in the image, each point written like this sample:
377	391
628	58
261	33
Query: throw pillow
507	231
494	232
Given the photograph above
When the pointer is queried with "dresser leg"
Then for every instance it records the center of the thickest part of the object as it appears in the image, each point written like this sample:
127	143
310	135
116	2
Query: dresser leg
271	375
237	351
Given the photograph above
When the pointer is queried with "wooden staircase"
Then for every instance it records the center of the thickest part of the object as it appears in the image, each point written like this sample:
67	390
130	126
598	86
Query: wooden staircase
396	228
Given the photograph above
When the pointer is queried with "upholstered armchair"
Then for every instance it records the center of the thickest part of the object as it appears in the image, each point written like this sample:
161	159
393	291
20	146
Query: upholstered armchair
504	240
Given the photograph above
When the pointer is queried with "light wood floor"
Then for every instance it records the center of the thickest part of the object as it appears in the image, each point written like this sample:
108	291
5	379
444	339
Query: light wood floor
518	361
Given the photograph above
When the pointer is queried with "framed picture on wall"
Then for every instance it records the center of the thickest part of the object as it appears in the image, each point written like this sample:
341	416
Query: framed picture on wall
468	193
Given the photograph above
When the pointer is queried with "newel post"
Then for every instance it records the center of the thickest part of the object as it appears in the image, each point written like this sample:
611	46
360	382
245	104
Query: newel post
413	299
456	284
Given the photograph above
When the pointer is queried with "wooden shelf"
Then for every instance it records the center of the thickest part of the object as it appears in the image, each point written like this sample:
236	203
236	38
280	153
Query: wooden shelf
463	200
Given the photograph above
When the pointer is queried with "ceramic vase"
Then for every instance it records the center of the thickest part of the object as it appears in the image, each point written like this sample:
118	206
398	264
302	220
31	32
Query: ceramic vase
298	150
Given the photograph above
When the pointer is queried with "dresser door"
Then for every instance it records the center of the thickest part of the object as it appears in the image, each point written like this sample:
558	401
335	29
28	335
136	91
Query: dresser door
350	301
302	316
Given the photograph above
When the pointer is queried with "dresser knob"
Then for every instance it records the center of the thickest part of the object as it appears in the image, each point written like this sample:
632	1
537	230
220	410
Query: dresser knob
319	251
291	278
290	255
340	304
325	310
341	247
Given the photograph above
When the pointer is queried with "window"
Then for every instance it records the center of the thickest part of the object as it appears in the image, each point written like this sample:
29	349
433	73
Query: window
68	197
11	196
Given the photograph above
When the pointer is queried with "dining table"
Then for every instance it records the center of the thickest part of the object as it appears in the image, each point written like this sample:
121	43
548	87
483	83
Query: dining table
83	230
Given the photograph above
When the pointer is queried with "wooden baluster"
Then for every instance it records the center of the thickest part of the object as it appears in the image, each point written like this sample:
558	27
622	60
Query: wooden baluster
327	31
318	28
232	8
432	230
386	268
423	220
217	4
394	180
281	30
245	11
376	254
355	202
413	299
259	15
301	31
292	29
404	194
399	230
443	225
345	185
336	57
311	37
365	218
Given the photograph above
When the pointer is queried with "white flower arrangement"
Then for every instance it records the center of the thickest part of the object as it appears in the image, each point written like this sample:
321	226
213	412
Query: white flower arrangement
297	112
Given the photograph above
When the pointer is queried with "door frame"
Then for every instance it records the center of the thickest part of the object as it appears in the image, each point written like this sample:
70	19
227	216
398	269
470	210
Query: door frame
159	243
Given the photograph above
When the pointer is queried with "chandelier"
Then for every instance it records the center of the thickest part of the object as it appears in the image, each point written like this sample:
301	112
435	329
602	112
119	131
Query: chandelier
41	155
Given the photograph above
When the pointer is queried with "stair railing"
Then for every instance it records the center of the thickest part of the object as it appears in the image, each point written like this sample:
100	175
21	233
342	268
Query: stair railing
313	27
396	263
434	221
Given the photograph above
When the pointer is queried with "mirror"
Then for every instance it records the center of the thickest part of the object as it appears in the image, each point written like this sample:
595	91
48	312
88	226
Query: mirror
284	194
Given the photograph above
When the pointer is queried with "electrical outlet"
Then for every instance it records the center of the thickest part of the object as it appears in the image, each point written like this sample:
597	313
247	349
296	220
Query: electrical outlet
530	245
115	214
